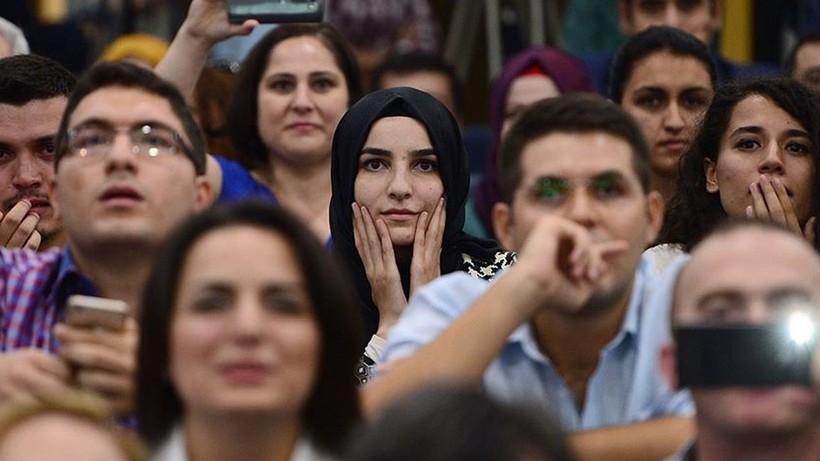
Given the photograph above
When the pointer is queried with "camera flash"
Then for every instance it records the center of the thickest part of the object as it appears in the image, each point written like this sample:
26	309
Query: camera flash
801	328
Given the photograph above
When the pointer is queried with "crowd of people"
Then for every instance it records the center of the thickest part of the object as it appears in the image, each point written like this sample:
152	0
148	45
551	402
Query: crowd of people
308	273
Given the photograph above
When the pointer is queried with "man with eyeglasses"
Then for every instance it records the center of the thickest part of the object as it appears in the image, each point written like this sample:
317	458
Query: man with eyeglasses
567	327
129	167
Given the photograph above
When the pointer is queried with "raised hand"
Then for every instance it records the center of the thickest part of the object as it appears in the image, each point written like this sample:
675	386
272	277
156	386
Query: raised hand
426	263
104	361
209	19
17	227
564	262
771	202
376	250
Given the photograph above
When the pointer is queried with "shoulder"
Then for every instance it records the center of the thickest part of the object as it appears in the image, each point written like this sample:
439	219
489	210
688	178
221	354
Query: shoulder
487	269
25	259
237	182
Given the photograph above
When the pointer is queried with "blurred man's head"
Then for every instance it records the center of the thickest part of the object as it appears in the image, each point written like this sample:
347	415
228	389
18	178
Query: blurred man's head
750	274
423	71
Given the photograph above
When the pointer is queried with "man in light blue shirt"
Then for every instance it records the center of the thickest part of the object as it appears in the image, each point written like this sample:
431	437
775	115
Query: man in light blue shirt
570	326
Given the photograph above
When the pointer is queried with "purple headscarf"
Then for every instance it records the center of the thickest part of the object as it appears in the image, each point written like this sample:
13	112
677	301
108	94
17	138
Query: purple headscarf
569	75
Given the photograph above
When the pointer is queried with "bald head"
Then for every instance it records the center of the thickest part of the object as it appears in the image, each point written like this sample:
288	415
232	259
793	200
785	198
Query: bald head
738	275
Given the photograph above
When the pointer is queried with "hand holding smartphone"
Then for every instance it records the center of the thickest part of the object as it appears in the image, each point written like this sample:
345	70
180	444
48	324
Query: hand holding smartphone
91	312
275	11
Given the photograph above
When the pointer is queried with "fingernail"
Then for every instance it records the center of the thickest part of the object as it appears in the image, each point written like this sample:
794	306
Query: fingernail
749	212
765	180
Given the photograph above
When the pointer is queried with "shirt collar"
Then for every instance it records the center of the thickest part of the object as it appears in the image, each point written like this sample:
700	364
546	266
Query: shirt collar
70	280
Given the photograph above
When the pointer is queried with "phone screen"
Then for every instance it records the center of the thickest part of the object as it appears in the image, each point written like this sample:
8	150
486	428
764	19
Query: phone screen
742	355
276	11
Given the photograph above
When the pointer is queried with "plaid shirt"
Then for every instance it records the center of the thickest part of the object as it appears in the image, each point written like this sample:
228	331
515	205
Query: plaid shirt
33	289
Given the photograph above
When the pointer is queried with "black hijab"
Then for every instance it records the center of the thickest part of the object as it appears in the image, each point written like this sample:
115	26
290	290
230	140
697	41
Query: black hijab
445	136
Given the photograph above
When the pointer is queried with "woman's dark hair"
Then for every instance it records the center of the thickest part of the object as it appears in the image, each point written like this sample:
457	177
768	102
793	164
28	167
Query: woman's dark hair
242	123
654	40
693	211
449	423
332	408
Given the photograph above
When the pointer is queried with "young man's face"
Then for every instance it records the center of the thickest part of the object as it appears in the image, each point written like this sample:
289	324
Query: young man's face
120	196
701	18
27	135
734	279
587	178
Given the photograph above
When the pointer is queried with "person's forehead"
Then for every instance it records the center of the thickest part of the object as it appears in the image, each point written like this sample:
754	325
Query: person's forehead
681	5
808	55
31	121
667	69
125	106
577	155
750	261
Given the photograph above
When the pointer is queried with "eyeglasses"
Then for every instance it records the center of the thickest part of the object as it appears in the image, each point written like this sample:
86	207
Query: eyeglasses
556	189
96	140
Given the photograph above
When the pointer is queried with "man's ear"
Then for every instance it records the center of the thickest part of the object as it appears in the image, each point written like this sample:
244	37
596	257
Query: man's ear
710	171
503	225
204	194
654	209
669	364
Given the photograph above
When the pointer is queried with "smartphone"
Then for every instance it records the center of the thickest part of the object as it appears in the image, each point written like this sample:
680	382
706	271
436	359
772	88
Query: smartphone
276	11
742	355
91	312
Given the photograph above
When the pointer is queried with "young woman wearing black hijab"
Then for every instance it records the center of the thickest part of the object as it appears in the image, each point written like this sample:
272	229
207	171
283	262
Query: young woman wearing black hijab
400	180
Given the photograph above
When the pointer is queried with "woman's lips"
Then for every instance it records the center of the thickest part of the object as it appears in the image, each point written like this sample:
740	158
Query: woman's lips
399	215
245	373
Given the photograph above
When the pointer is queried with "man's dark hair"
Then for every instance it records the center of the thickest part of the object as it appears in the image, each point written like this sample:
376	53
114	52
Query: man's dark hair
654	40
416	61
127	75
29	77
570	113
448	423
791	59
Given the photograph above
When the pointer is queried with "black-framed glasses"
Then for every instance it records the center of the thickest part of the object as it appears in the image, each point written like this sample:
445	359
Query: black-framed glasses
95	140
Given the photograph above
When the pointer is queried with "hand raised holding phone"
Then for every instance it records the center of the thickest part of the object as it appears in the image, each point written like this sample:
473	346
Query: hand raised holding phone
99	340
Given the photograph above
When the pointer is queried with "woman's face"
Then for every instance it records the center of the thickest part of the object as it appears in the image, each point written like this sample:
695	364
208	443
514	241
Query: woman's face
398	176
667	94
301	96
243	334
762	140
523	92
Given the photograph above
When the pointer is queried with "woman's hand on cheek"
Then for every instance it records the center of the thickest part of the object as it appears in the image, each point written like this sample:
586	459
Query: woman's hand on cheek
376	250
426	264
771	202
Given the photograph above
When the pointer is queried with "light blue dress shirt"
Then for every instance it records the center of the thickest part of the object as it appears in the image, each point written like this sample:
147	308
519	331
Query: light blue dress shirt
626	387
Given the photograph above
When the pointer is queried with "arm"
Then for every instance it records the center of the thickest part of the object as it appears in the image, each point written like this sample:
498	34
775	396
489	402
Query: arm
646	441
466	348
206	24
